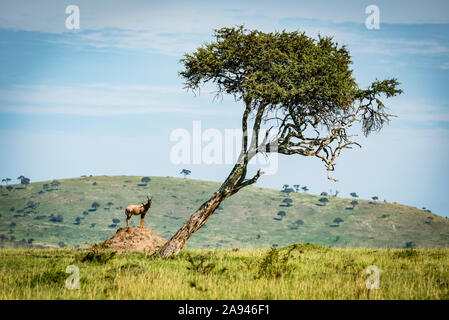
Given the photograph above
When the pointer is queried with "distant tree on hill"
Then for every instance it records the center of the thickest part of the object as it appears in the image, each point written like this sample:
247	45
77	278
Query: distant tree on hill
375	198
324	194
288	202
145	179
285	186
296	186
116	220
95	205
354	195
32	205
338	220
354	203
9	188
323	200
24	180
305	189
282	214
288	190
185	172
55	183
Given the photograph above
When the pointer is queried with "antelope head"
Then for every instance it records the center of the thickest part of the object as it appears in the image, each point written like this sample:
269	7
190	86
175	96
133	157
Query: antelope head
149	201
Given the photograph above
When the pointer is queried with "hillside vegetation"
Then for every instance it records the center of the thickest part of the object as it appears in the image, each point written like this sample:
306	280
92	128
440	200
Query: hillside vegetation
82	211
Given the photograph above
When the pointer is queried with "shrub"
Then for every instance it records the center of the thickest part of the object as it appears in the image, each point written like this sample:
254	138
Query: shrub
59	218
275	263
96	256
49	277
409	245
200	263
407	253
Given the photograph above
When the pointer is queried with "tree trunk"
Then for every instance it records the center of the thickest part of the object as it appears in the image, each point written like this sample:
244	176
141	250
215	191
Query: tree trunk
196	221
233	183
199	218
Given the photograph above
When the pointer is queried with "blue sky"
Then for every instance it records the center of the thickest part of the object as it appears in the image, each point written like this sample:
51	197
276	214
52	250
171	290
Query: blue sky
104	99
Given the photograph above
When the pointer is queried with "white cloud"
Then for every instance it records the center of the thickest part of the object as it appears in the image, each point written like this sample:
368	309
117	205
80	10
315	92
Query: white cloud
445	66
174	27
101	99
194	16
419	111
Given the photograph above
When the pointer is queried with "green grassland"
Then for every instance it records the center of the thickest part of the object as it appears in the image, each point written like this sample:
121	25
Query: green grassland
247	220
302	271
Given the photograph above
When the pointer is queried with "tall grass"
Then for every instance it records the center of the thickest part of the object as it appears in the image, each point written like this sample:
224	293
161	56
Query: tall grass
295	272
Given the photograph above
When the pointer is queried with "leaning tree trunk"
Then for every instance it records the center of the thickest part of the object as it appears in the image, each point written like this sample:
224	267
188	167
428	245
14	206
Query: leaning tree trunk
233	184
196	221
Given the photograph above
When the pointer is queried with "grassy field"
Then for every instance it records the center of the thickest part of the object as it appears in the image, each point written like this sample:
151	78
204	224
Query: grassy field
301	271
62	215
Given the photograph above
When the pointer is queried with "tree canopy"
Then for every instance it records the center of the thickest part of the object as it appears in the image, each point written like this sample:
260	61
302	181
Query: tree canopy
302	86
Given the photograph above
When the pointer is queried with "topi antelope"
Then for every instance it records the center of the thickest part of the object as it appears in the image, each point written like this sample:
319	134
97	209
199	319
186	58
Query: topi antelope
138	209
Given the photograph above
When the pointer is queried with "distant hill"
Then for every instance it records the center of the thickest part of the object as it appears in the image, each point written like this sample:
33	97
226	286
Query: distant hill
46	214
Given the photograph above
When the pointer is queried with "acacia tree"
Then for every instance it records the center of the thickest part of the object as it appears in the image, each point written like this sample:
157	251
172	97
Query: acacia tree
185	172
301	86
